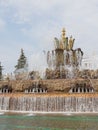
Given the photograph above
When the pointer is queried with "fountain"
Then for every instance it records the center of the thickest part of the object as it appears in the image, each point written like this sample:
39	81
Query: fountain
64	58
62	90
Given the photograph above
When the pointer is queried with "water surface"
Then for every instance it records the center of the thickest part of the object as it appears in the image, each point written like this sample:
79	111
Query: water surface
48	122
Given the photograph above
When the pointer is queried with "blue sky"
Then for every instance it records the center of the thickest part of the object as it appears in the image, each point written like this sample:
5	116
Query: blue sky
32	25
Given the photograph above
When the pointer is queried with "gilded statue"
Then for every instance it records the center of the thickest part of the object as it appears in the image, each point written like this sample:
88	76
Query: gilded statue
63	35
61	46
71	43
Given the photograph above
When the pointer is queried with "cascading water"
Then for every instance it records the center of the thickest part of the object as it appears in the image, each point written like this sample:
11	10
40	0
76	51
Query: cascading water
50	103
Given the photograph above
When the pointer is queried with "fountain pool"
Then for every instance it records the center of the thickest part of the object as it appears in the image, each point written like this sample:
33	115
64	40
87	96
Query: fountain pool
14	121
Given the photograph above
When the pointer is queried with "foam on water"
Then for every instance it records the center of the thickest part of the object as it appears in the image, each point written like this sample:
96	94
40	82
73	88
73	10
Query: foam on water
31	114
68	114
1	113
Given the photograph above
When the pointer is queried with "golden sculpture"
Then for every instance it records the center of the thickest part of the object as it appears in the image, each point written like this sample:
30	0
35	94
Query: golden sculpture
71	43
63	35
61	46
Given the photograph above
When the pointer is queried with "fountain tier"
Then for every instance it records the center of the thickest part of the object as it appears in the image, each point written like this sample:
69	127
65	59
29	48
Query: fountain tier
64	60
50	103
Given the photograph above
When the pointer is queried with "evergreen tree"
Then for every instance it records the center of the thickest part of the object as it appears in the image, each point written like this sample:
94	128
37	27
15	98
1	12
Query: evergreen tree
21	61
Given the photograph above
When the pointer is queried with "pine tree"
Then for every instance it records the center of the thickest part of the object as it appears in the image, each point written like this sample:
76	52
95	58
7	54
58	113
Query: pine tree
21	61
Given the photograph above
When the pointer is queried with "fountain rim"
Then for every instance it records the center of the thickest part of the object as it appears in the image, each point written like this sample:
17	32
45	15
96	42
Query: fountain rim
49	112
19	95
